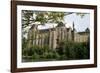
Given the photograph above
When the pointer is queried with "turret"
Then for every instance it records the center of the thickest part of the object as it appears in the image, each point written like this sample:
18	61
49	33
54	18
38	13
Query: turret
73	32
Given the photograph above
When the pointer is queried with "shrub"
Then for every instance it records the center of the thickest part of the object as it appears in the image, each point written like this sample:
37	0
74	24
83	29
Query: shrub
67	50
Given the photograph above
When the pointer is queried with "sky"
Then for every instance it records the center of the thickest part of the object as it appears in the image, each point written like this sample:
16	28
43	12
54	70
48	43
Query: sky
80	23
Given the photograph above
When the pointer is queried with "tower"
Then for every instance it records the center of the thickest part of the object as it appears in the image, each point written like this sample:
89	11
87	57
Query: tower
73	32
32	35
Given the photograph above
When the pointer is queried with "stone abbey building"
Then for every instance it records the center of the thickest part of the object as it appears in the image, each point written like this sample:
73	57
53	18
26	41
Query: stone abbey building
53	36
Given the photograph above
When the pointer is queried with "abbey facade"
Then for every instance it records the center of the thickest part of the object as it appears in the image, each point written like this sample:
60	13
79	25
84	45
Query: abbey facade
53	36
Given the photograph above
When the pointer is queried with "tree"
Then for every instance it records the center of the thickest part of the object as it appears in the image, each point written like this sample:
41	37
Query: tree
41	16
26	15
29	16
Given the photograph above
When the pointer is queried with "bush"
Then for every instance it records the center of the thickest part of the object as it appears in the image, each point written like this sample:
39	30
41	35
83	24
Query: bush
65	51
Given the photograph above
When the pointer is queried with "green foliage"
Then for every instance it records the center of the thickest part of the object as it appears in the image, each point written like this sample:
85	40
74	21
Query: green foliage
67	50
24	43
44	16
41	16
26	15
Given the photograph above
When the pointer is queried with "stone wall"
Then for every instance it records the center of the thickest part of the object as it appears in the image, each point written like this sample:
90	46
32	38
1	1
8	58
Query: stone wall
53	36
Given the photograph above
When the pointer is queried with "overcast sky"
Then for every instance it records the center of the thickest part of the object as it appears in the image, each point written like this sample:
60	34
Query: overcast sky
80	23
